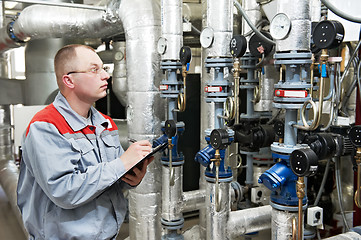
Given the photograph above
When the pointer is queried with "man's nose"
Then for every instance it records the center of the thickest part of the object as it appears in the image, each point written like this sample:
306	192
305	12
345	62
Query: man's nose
104	75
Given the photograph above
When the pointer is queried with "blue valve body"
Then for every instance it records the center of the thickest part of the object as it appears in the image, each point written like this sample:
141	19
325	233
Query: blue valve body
282	181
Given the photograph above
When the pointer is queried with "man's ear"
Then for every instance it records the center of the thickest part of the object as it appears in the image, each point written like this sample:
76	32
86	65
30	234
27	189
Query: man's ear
68	81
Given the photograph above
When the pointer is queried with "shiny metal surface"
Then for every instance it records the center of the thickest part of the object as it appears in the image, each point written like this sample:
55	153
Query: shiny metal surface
282	224
120	87
220	19
248	220
145	109
9	175
172	195
215	220
300	32
172	28
65	23
193	200
266	86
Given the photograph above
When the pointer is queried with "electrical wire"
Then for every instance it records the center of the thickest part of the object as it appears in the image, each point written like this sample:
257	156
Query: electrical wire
323	183
339	194
260	23
258	33
345	72
340	13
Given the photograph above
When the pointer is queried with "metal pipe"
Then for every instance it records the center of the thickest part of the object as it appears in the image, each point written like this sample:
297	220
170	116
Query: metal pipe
61	4
258	33
346	236
119	77
172	28
145	109
193	200
9	174
248	220
172	194
61	23
216	219
340	13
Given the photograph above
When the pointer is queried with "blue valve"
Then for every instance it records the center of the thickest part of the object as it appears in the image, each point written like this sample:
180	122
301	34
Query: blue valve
205	155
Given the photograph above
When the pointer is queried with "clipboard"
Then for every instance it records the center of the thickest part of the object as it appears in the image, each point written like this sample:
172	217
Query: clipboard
158	148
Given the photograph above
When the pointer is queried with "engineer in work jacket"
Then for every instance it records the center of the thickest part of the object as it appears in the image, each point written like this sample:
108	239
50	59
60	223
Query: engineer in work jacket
69	185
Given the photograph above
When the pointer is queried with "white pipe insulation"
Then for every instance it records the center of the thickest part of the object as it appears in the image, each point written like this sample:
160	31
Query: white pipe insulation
39	22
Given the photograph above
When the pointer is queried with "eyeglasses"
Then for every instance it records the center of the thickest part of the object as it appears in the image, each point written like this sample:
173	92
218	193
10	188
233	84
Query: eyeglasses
93	70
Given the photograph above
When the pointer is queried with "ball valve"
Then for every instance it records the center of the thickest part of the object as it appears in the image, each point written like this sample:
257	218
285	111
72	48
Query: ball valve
170	131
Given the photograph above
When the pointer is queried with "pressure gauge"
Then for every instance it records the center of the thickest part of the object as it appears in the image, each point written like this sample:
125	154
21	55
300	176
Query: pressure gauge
304	162
170	128
185	55
219	139
162	45
280	26
206	37
238	46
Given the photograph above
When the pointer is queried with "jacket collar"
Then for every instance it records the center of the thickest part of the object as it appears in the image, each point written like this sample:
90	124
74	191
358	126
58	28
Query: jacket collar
74	120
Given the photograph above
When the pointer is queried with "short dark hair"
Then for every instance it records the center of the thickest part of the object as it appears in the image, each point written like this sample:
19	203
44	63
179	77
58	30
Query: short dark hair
63	56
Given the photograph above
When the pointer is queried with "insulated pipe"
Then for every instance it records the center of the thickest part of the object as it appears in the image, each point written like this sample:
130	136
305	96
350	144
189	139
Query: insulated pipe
220	19
248	221
300	33
172	28
193	200
145	110
119	78
60	22
9	174
282	224
346	236
172	195
216	220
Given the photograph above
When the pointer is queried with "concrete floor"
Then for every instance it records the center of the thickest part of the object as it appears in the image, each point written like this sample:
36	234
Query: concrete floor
11	230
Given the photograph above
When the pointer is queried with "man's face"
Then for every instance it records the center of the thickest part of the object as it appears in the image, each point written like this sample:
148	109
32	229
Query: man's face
89	77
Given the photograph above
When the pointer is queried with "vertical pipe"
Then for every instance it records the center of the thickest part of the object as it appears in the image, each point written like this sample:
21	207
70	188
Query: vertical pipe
216	227
145	109
290	135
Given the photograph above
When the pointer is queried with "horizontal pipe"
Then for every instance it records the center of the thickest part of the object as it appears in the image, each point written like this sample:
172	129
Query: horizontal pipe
193	200
346	236
61	4
61	22
248	220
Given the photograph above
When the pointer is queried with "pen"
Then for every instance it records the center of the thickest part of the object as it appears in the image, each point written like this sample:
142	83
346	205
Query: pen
132	140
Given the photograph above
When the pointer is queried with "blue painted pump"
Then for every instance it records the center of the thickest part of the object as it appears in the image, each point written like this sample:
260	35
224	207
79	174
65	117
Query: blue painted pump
282	182
176	157
204	157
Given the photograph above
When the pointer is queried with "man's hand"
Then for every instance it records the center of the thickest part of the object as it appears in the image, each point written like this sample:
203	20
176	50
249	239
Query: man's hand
135	153
135	177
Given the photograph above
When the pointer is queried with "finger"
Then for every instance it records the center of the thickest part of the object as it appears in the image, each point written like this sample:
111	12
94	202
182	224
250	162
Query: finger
144	143
126	180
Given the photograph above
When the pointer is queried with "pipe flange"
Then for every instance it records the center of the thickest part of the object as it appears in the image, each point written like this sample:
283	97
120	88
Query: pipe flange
174	163
221	180
173	225
169	65
10	31
287	208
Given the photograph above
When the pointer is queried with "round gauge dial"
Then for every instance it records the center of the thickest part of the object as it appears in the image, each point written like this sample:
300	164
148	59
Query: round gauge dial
280	26
238	46
162	45
206	37
185	55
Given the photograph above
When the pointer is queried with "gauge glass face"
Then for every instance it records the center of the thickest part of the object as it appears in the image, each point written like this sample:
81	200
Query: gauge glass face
206	37
280	26
162	45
